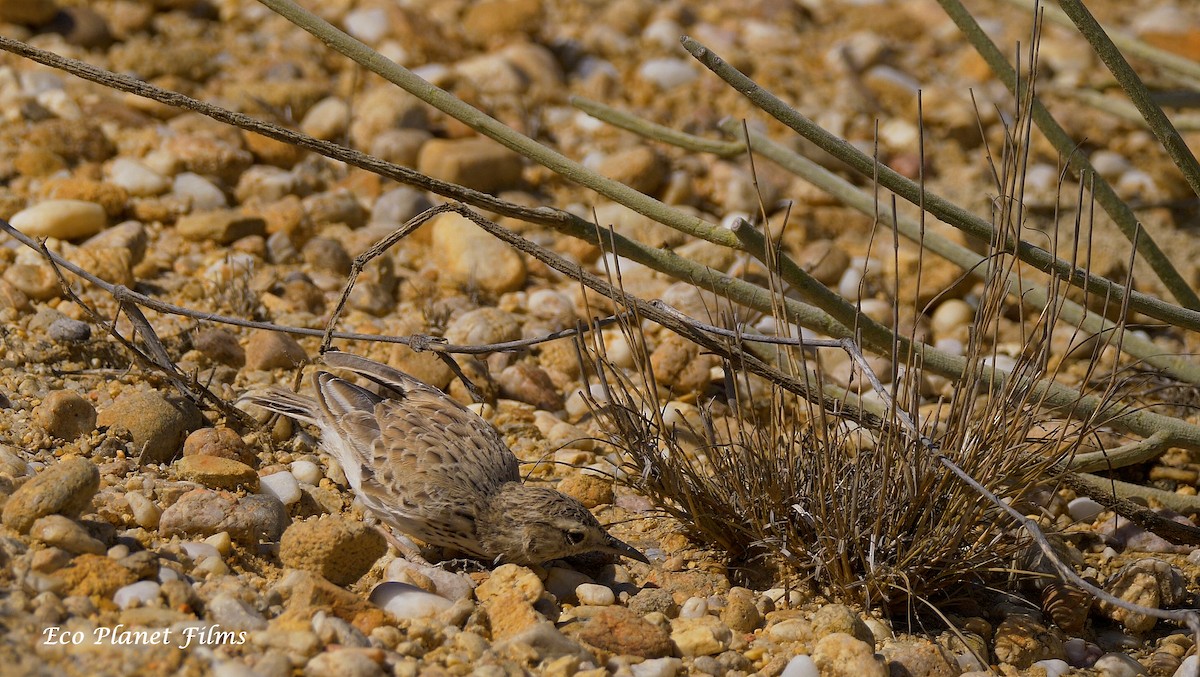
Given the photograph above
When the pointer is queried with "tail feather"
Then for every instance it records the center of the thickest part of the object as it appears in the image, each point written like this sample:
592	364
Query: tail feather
339	396
285	402
393	379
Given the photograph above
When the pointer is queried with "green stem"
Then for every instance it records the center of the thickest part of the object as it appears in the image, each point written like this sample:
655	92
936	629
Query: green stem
1113	205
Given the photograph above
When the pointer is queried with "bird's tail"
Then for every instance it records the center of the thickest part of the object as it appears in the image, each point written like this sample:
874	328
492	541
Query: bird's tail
283	401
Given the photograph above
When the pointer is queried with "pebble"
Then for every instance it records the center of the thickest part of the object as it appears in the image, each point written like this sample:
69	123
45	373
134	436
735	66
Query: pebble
28	12
1084	509
800	666
622	631
474	162
1189	668
204	512
61	219
158	424
740	612
1118	665
1147	582
233	614
841	655
283	486
307	472
700	636
468	255
136	178
222	226
1021	641
65	533
452	586
346	662
366	25
268	350
69	330
666	74
145	513
142	593
64	488
657	667
220	345
65	414
694	607
595	595
327	120
219	442
405	601
341	550
839	618
216	472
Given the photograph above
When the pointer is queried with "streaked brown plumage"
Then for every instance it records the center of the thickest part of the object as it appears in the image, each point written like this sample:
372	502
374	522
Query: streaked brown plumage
431	468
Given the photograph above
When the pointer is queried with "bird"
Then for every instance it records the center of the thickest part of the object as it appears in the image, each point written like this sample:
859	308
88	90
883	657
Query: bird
428	467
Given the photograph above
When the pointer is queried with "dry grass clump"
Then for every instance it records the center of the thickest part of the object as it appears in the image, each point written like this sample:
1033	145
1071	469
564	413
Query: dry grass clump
855	504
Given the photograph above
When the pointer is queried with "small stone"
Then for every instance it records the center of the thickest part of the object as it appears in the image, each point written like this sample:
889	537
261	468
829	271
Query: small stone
1084	509
203	512
69	330
281	485
1020	641
61	532
1118	665
657	667
405	601
273	350
220	442
145	513
654	600
589	490
468	254
65	488
336	548
833	618
1147	582
220	346
335	206
346	662
1189	668
475	162
791	630
327	254
158	424
61	219
667	74
622	631
32	281
529	383
641	168
841	655
136	178
234	614
28	12
221	226
492	19
800	666
217	472
919	657
142	593
65	414
483	326
740	612
700	636
327	120
96	575
595	595
307	472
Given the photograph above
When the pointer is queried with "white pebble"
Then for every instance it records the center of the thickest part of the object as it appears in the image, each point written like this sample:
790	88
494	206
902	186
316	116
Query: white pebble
1118	665
800	666
1053	667
408	601
307	472
201	193
667	73
136	178
1189	668
282	485
210	566
657	667
139	594
198	550
367	25
1084	509
222	541
663	32
145	512
595	595
694	607
61	219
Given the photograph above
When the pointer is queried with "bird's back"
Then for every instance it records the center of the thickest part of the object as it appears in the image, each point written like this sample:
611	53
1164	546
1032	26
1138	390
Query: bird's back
419	460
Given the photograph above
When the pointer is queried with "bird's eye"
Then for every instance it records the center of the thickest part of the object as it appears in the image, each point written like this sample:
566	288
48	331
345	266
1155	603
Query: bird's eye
575	537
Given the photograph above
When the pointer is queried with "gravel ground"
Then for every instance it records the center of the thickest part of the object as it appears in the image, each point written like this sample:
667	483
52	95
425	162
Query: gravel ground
143	534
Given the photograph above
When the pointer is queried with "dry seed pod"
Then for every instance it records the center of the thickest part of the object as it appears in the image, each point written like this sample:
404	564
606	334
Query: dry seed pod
1067	606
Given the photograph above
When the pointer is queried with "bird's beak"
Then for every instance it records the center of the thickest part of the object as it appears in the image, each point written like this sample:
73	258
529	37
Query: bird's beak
618	547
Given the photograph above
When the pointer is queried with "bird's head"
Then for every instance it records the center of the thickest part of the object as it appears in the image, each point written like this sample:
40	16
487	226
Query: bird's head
532	525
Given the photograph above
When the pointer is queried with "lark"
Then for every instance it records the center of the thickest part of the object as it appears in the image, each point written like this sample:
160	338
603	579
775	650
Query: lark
429	467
